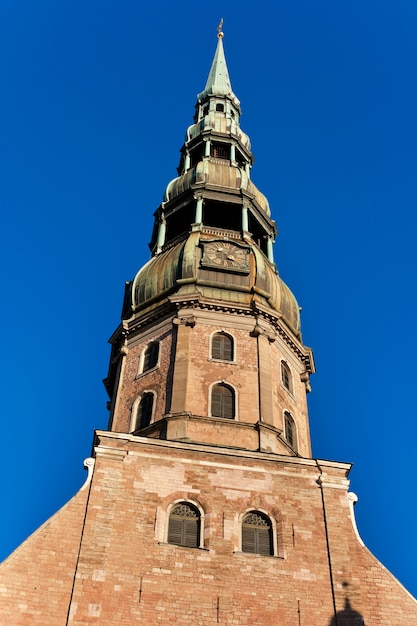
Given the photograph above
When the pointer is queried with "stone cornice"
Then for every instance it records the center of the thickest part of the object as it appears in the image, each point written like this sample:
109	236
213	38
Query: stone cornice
103	443
304	353
194	302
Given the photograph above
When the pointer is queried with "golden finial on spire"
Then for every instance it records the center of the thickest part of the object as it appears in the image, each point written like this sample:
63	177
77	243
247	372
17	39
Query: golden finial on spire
220	33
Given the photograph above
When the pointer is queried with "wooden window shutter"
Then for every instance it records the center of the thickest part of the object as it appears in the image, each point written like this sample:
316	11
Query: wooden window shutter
222	347
264	541
257	534
222	401
190	533
228	403
184	526
216	402
248	539
175	531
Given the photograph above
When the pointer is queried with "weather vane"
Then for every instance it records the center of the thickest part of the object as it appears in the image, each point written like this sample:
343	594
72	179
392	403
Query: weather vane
220	33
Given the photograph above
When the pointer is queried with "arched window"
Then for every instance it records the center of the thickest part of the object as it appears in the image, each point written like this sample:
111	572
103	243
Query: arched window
290	430
184	525
222	347
257	534
144	411
286	376
150	356
222	401
220	107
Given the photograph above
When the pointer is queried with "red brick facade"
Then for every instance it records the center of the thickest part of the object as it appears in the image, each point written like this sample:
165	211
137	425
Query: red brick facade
124	571
186	372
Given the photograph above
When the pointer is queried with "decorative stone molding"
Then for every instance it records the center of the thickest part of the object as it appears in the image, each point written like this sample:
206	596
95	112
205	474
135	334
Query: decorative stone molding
305	378
89	466
195	302
333	482
110	453
259	331
353	498
186	320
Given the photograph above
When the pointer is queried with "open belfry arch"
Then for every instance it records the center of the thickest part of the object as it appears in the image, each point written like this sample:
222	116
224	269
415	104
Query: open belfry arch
203	503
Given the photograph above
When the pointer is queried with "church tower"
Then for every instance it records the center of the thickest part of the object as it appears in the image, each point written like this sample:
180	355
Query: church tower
209	349
203	503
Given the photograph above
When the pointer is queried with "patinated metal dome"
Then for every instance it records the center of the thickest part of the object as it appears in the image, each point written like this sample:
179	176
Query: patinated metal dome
179	270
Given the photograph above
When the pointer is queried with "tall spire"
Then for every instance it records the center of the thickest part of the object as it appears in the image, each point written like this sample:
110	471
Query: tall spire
218	81
212	268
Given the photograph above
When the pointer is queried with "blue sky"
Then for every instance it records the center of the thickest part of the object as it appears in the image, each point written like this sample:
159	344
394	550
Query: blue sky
96	97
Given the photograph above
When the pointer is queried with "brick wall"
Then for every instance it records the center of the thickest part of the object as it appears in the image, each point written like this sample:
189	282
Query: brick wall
127	573
186	372
36	579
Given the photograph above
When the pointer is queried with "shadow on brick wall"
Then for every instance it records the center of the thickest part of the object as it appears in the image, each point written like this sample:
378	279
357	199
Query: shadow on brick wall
347	617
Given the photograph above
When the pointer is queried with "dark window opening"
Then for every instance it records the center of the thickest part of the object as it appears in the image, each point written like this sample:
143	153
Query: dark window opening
150	358
180	222
154	233
144	412
222	401
286	377
257	534
206	110
222	215
220	107
240	159
259	235
181	165
220	150
222	347
290	431
196	154
184	526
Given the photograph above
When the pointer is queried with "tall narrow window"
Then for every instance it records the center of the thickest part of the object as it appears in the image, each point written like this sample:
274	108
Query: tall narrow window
150	358
257	534
222	401
290	430
222	347
286	377
184	526
144	411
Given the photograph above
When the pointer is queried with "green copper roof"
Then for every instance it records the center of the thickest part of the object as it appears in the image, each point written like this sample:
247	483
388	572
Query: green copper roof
218	81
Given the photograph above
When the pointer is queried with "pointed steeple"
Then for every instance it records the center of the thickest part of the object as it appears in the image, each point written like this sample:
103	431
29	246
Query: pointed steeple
218	81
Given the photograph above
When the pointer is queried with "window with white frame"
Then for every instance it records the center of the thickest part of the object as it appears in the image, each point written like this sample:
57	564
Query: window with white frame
223	401
222	347
144	411
149	358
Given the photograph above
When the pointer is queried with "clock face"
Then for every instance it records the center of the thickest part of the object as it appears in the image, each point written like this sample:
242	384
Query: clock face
225	255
